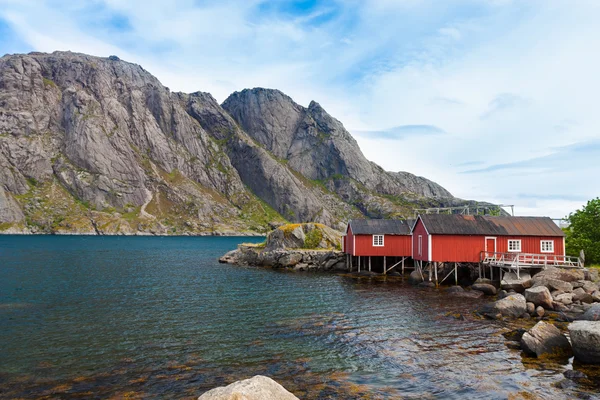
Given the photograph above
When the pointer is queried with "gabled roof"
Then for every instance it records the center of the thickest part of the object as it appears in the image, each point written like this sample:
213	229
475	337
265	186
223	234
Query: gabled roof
380	226
445	224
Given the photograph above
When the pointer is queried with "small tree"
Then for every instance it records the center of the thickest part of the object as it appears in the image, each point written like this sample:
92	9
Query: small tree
584	232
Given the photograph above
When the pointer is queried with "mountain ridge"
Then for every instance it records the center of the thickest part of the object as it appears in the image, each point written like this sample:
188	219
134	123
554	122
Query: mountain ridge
98	145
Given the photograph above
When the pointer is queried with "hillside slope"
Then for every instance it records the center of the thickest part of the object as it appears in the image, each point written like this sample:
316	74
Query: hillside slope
100	146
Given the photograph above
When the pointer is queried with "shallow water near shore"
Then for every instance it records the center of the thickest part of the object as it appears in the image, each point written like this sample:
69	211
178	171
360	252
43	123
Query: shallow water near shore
158	317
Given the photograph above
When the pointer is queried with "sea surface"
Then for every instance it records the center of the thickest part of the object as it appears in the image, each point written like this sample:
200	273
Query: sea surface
158	317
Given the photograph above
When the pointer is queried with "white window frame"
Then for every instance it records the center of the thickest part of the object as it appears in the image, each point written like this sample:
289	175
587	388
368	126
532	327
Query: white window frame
376	242
551	247
515	250
420	244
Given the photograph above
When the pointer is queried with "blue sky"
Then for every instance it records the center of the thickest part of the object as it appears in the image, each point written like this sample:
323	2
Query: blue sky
496	100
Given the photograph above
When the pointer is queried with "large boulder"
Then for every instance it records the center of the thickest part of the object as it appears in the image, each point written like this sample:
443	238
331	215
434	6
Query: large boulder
512	306
561	274
540	296
545	340
592	314
581	295
554	284
591	274
486	288
565	298
510	281
589	287
585	336
256	388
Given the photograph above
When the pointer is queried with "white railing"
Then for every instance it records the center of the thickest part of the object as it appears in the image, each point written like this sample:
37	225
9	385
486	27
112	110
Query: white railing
528	260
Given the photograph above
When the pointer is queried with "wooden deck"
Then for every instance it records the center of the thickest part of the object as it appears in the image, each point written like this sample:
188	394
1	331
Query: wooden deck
524	261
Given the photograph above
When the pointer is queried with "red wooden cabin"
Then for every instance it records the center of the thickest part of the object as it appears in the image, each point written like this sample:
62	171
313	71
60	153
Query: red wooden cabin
377	243
463	238
377	237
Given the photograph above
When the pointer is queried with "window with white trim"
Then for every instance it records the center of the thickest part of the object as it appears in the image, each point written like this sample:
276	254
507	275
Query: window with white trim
378	240
514	245
547	246
420	245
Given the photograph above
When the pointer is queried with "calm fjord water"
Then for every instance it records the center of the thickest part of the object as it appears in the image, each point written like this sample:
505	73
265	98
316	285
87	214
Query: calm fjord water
133	317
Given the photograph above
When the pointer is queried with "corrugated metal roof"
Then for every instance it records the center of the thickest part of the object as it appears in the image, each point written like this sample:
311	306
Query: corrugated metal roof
445	224
380	226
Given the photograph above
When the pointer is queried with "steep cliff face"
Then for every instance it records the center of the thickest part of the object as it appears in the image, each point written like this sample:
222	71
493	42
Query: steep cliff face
99	145
319	147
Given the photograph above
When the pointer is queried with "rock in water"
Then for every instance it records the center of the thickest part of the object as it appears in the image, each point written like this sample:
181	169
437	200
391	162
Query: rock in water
256	388
512	306
540	296
585	336
545	340
486	288
415	278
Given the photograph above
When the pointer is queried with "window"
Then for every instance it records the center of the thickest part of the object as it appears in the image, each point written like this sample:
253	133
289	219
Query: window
420	245
547	246
378	240
514	245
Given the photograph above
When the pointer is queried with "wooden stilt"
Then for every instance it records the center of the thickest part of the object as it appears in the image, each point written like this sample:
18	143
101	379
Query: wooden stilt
369	263
384	266
430	272
358	263
403	265
491	273
456	273
436	277
351	257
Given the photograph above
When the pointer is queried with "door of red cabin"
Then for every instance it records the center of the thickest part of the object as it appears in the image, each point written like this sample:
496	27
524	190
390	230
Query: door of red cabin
490	246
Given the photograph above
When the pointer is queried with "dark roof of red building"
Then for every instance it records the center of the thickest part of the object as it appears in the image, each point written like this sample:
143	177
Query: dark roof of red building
380	226
445	224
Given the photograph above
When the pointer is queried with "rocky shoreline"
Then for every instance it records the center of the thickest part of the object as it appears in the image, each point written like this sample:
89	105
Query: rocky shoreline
10	232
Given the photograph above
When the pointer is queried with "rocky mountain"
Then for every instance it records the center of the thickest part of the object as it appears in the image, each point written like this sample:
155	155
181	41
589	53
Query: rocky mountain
98	145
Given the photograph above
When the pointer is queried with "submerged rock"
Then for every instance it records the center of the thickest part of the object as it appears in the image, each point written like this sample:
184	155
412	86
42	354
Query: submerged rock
455	289
585	336
545	340
256	388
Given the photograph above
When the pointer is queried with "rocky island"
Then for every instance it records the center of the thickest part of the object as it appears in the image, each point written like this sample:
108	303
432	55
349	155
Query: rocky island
301	247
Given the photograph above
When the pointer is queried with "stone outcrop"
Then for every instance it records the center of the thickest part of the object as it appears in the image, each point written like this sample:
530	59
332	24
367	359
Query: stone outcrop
546	340
303	247
256	388
99	145
585	336
303	236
